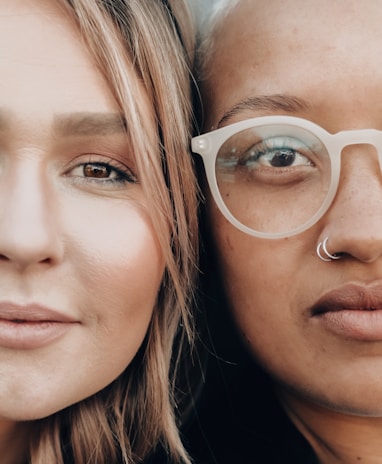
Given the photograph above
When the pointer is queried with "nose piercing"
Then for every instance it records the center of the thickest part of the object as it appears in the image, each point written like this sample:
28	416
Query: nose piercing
327	256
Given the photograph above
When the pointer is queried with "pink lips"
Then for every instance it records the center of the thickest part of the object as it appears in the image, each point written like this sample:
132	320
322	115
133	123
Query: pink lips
352	311
31	326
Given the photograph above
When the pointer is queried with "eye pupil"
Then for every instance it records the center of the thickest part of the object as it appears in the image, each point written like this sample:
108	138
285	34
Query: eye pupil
282	158
96	170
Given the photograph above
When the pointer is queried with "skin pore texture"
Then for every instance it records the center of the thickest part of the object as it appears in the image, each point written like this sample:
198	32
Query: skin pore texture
327	56
80	263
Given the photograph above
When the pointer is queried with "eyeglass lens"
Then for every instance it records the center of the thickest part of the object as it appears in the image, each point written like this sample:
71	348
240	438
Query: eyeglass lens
273	178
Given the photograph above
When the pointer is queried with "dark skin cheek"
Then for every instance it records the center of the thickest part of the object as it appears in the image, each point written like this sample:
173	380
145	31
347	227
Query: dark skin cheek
229	243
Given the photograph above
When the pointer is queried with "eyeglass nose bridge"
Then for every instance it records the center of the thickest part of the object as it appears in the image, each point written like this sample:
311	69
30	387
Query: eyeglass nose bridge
341	140
372	137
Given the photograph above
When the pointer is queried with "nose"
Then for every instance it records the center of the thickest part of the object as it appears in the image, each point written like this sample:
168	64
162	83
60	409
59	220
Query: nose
28	233
354	221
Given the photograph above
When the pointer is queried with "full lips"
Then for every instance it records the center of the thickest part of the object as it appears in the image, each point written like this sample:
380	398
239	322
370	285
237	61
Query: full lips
352	311
31	326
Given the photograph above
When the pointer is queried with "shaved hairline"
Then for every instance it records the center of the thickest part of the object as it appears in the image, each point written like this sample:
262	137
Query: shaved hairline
207	25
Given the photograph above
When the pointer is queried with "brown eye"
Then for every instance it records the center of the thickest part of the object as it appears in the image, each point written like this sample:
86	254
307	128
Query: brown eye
99	171
103	173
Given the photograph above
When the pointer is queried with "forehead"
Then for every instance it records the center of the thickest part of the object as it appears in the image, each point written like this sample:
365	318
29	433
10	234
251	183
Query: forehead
44	63
276	47
46	68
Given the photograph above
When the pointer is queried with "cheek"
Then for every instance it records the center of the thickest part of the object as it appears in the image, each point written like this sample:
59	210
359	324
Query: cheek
124	261
119	264
114	241
255	271
262	290
118	271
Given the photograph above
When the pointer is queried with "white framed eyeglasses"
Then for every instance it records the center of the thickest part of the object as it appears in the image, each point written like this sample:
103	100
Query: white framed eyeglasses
276	176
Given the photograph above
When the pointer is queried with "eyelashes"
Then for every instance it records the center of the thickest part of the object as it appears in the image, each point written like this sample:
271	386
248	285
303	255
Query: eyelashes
100	171
103	172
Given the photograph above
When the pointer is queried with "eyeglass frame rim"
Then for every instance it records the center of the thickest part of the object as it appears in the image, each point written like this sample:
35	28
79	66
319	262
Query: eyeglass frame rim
208	144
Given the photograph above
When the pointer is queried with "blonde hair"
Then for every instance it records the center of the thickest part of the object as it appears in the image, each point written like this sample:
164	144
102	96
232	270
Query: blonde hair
126	421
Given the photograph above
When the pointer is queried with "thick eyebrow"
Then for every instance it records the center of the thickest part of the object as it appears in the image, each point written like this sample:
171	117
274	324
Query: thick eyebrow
268	103
84	124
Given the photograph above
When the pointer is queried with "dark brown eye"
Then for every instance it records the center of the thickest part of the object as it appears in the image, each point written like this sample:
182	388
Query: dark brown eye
102	172
283	158
99	171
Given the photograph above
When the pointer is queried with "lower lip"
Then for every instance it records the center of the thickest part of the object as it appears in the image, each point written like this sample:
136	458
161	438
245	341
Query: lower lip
27	335
354	324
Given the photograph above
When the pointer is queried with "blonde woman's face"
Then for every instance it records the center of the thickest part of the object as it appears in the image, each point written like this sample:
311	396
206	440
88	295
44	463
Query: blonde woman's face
80	265
316	326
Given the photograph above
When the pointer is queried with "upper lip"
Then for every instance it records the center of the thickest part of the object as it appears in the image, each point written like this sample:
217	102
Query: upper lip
354	297
32	312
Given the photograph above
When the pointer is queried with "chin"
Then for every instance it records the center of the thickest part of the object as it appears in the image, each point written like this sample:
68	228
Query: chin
361	401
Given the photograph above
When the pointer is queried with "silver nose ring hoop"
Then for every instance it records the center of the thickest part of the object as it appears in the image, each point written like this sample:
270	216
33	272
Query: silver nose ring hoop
323	253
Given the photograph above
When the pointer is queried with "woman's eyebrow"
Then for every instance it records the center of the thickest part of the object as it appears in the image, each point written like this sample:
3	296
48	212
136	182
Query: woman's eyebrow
84	124
277	102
